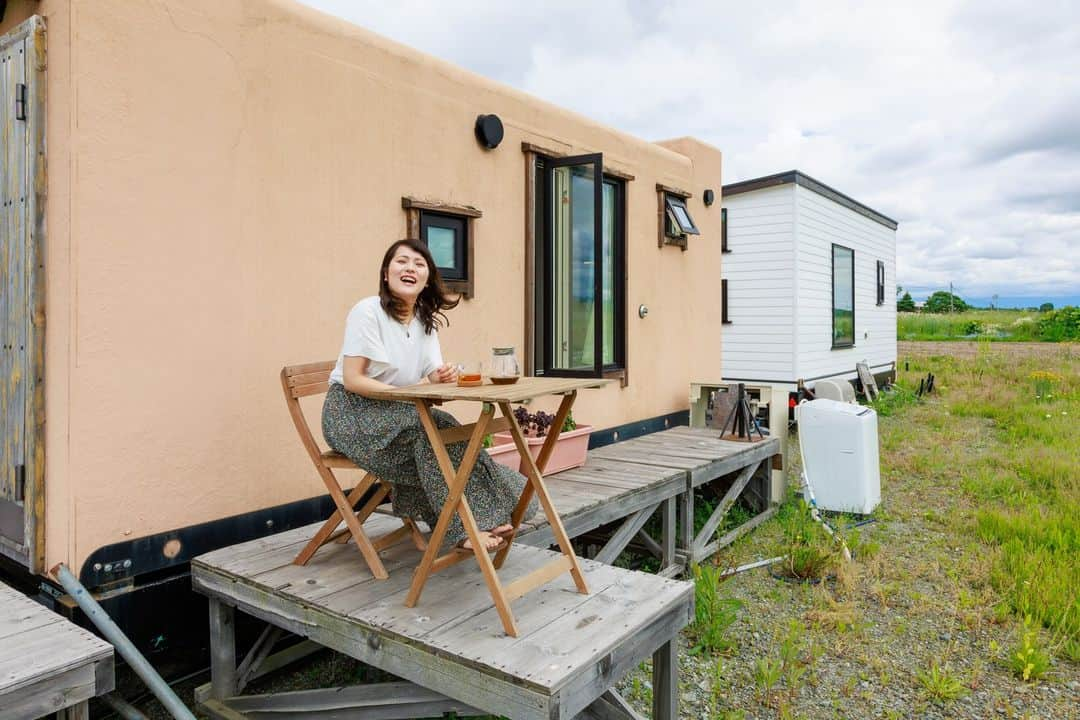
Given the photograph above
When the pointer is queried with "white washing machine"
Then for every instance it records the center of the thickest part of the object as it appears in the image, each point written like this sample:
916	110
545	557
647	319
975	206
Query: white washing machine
840	454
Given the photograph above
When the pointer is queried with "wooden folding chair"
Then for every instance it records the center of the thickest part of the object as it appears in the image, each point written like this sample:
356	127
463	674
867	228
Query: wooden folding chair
313	379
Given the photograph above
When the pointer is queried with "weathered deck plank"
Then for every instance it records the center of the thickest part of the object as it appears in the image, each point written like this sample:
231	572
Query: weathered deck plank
46	662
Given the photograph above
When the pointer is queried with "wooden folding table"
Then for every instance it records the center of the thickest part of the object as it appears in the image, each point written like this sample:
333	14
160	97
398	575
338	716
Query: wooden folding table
490	395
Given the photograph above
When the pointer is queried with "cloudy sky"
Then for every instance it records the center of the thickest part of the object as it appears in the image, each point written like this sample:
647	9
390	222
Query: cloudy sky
961	120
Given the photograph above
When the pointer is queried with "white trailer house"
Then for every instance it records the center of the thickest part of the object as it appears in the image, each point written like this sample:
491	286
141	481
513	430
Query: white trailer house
808	286
808	283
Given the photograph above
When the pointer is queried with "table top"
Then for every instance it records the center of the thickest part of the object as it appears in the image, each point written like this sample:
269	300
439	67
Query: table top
526	388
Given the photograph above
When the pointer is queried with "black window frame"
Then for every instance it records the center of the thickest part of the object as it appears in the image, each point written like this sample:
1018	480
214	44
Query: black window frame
725	319
832	309
673	226
880	282
723	231
460	225
544	249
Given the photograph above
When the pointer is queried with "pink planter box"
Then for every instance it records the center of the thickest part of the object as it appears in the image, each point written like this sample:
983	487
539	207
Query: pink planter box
570	450
505	453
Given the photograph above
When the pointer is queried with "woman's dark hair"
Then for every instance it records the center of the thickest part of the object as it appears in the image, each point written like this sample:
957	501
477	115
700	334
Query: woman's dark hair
433	299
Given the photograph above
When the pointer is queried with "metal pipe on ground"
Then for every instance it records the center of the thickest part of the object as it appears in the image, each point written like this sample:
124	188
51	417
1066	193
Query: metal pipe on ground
123	645
750	566
122	707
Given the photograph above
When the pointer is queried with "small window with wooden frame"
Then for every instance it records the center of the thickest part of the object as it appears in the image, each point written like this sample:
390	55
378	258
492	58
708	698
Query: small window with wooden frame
448	231
675	222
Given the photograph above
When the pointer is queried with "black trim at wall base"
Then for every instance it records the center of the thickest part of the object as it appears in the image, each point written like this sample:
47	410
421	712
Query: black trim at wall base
131	559
600	438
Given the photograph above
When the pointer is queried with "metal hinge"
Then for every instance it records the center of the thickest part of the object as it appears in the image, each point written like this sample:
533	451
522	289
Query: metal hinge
20	483
20	101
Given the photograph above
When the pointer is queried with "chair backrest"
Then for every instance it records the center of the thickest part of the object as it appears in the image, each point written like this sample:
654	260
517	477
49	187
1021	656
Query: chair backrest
309	379
299	381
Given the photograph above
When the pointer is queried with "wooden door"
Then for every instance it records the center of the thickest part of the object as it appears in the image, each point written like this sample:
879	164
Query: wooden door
22	316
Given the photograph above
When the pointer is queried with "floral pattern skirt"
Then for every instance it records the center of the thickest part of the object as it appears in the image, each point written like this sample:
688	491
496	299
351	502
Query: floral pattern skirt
385	438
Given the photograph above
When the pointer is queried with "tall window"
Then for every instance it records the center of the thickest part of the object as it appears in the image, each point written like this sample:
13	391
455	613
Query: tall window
724	317
580	268
880	282
723	231
843	296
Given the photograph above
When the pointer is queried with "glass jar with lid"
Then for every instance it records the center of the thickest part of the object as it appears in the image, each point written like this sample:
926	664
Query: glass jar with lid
504	364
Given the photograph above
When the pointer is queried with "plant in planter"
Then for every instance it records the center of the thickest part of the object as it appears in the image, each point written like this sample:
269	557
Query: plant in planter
571	447
503	451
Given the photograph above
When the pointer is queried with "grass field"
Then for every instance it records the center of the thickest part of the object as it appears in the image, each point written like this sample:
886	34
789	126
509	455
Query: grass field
995	325
964	596
1021	484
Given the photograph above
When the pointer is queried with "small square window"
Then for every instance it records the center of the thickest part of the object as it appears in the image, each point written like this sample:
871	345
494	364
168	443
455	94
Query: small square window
447	238
449	232
678	221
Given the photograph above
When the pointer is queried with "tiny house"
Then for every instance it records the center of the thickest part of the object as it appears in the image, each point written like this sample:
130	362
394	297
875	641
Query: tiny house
808	283
195	193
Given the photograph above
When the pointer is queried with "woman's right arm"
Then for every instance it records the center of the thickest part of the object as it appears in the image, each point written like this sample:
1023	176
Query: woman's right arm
355	379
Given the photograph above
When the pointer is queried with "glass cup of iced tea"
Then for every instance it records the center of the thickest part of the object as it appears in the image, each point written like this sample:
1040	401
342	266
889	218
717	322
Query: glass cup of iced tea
469	373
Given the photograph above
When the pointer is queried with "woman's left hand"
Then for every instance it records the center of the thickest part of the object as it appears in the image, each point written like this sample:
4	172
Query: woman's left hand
443	374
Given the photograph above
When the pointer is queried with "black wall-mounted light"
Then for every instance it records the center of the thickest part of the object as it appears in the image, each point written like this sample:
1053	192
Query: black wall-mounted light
489	131
709	197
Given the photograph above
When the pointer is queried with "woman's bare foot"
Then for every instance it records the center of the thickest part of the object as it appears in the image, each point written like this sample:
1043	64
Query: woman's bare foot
502	529
490	541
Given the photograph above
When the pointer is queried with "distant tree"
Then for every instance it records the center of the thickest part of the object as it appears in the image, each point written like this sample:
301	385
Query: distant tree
905	304
943	302
1046	307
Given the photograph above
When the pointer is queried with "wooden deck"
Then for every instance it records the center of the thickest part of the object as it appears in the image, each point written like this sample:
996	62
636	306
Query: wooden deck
572	648
450	649
634	478
47	664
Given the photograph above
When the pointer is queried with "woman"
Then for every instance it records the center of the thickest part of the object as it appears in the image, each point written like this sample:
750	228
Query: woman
391	341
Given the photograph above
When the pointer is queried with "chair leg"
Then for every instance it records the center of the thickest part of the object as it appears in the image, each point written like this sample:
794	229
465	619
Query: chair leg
326	532
345	511
369	507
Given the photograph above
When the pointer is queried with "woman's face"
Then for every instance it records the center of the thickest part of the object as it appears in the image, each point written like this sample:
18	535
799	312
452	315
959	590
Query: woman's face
407	274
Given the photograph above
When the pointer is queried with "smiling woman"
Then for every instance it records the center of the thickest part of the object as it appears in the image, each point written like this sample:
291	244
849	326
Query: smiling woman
390	341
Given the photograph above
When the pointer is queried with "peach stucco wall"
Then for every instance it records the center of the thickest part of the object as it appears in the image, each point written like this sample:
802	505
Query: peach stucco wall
224	177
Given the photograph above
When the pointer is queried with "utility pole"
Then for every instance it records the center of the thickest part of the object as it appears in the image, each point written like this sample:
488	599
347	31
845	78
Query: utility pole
950	296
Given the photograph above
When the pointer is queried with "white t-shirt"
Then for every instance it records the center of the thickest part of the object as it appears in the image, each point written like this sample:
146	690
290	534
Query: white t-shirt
399	354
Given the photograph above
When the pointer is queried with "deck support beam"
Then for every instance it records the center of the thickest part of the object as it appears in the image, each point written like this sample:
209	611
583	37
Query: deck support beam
625	534
222	649
666	682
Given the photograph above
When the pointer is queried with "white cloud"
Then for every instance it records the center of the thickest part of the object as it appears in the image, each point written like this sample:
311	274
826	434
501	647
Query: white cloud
959	119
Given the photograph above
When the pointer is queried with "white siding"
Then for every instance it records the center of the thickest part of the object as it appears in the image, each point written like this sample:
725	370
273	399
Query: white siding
758	343
820	222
